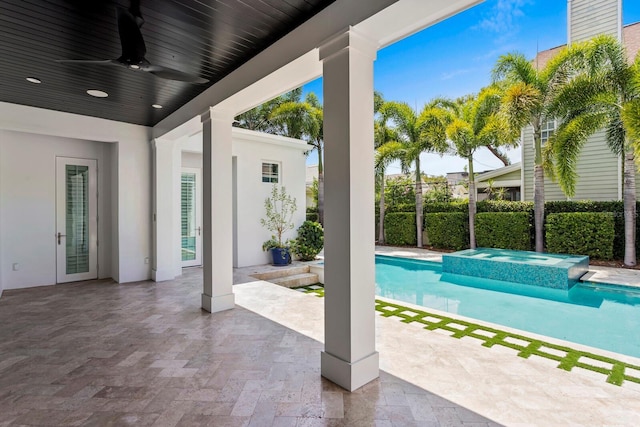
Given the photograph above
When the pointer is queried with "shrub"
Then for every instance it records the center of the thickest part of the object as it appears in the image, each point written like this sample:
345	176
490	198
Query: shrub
400	228
504	206
448	230
310	241
312	216
403	207
507	230
455	206
581	233
615	207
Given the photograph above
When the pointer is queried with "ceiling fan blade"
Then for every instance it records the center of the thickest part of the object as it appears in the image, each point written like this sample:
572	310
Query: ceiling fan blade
89	61
171	74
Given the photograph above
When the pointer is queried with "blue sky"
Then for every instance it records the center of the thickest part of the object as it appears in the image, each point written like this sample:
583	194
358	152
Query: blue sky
455	57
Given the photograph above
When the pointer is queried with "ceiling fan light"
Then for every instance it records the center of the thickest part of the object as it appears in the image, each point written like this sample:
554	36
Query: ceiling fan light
97	93
157	106
34	80
134	66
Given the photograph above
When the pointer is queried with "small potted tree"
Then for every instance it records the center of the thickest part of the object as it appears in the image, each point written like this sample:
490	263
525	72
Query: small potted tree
279	208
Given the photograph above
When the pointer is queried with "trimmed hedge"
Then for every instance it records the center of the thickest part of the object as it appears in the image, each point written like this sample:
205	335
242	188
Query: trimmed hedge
455	206
400	228
312	216
448	230
506	230
581	233
504	206
615	207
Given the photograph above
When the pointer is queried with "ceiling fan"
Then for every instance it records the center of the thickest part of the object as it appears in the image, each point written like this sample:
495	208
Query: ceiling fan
134	50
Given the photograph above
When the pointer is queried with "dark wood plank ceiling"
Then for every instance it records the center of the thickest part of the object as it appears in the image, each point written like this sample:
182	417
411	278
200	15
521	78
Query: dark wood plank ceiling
207	38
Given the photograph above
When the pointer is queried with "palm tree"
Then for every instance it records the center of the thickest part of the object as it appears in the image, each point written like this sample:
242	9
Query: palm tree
388	149
259	118
478	124
529	93
604	93
419	133
304	120
385	154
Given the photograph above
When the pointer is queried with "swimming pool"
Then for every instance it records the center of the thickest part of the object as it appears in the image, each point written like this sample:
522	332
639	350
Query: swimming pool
606	317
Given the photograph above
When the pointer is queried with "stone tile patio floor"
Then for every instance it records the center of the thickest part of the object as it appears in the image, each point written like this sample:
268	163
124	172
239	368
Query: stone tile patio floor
99	353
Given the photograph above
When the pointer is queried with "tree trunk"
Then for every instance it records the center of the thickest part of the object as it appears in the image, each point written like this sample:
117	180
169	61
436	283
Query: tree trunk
419	209
629	197
538	206
320	187
538	191
472	206
381	219
499	155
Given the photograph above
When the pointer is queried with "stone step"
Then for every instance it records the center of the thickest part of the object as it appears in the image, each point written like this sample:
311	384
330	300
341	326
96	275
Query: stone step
278	272
296	280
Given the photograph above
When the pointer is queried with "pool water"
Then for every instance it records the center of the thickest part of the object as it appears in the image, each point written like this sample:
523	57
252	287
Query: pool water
602	316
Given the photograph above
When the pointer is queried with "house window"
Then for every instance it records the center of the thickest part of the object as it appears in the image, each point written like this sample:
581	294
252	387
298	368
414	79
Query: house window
270	172
547	130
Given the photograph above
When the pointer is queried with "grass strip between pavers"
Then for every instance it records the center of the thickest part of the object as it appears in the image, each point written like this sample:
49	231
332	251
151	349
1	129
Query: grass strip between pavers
567	358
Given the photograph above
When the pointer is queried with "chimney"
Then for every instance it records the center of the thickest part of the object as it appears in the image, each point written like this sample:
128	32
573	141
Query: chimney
588	18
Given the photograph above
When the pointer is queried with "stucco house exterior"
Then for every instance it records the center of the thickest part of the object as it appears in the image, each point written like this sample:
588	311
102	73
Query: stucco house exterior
599	170
133	204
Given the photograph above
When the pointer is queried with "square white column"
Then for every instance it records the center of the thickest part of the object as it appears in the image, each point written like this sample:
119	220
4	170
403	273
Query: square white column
350	358
166	188
217	211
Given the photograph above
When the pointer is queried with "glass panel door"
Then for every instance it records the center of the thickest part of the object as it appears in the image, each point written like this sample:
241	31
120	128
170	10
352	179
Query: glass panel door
190	227
77	231
77	219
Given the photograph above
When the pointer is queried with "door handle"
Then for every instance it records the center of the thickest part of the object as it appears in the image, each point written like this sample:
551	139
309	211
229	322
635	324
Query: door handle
60	235
198	228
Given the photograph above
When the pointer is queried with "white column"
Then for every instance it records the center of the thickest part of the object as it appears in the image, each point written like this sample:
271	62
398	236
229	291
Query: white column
217	211
166	170
349	359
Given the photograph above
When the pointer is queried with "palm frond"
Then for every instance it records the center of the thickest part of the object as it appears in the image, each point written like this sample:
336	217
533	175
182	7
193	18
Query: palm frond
567	143
521	101
514	68
387	153
616	132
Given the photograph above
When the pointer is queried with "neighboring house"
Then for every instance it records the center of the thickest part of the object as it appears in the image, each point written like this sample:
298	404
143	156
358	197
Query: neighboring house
599	170
508	177
456	178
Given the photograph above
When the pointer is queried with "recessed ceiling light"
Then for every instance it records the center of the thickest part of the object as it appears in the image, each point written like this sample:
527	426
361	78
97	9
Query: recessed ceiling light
97	93
34	80
158	106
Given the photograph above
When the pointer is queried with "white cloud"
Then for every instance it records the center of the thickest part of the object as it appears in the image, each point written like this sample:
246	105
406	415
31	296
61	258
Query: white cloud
455	73
503	16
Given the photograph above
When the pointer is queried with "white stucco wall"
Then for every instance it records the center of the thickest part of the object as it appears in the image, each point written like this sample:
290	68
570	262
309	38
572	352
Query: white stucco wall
30	138
250	149
28	205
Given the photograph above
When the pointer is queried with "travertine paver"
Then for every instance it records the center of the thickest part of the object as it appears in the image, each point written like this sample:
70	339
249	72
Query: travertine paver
490	382
145	354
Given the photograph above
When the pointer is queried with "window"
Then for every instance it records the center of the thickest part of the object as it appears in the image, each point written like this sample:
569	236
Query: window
547	130
270	172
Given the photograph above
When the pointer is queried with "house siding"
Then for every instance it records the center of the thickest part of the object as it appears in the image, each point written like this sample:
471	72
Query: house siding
593	17
509	176
597	171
